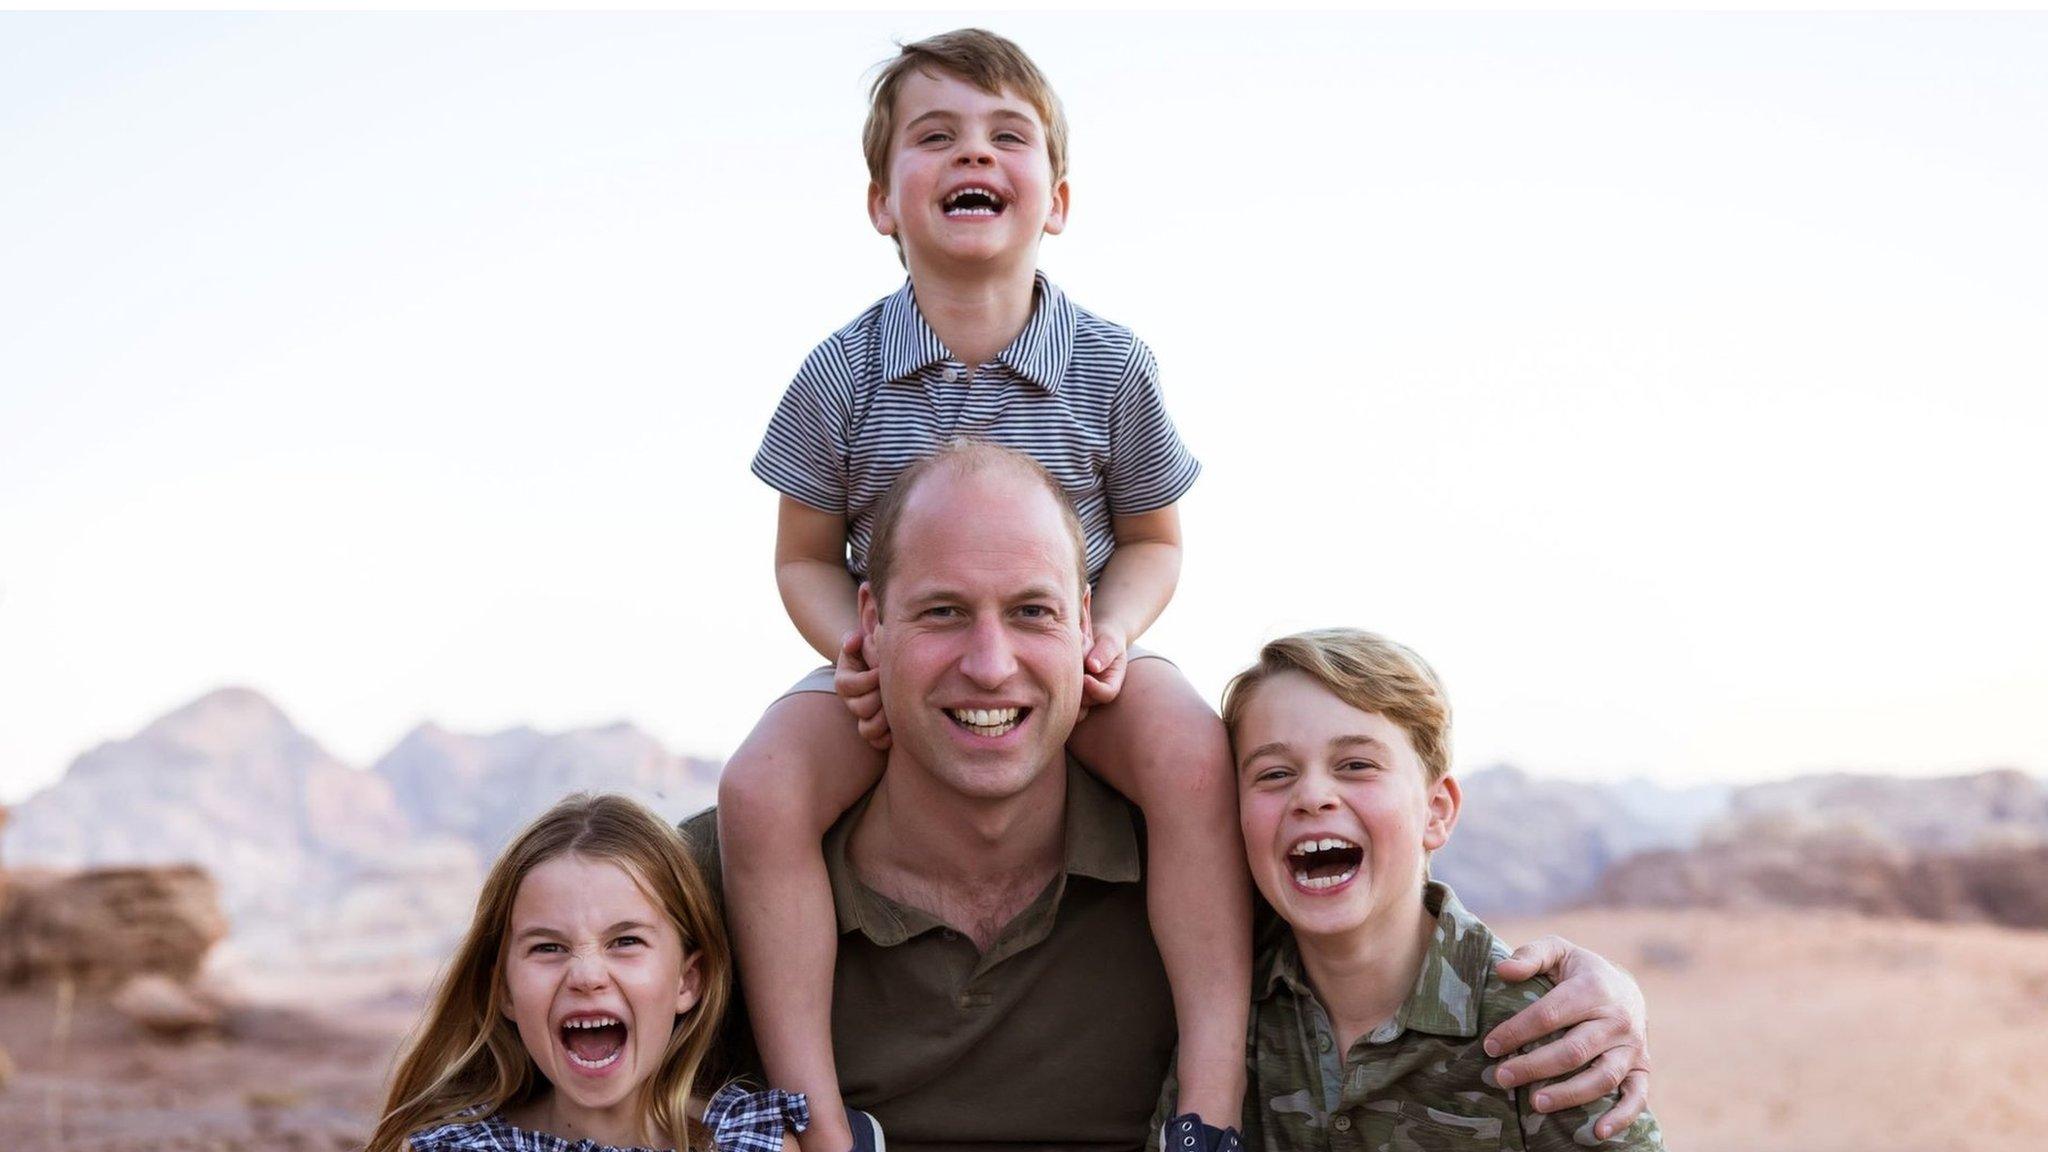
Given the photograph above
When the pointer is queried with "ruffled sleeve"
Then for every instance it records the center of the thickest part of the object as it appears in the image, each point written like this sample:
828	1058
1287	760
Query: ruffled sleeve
743	1121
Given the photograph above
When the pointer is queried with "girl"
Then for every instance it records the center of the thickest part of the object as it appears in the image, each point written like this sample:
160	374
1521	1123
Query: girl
581	1004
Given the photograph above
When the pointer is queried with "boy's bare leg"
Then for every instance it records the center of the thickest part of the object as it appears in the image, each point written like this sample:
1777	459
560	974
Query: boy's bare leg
803	766
1161	746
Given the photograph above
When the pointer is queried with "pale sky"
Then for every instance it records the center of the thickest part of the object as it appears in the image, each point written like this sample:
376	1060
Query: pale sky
1675	383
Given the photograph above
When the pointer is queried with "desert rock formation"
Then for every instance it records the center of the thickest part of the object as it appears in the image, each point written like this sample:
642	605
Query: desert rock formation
102	926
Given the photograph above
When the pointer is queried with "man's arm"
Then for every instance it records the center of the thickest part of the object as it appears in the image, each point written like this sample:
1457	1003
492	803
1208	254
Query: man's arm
1604	1033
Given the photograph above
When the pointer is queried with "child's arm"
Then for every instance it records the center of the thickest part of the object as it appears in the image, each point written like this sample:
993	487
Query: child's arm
1135	586
810	572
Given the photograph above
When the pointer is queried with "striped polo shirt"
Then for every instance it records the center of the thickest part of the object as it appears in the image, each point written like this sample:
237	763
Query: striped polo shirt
1076	392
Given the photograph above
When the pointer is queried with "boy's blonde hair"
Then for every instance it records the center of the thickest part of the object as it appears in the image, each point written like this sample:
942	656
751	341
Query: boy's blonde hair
465	1060
1365	670
983	59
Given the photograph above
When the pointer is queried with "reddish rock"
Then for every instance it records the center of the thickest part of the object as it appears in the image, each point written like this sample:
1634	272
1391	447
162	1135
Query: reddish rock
102	926
165	1007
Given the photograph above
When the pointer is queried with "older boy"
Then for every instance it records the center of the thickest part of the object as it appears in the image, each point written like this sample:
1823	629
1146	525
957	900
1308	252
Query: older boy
966	147
1370	1008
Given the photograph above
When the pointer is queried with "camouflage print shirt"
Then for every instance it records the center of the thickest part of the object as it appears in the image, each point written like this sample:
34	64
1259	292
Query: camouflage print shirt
1412	1084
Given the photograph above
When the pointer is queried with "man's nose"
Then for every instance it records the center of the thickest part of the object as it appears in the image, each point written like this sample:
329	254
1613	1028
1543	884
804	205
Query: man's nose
990	659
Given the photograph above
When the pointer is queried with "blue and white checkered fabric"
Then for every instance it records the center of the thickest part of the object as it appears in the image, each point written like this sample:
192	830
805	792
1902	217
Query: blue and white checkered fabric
739	1121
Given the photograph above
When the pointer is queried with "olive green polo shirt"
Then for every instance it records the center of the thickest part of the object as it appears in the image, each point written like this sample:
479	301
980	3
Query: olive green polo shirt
1413	1083
1059	1036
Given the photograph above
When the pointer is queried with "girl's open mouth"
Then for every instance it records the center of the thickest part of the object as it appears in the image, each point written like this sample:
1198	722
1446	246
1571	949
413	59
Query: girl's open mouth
594	1042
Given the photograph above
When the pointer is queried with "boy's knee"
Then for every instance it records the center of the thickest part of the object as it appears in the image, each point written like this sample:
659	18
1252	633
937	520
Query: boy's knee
756	790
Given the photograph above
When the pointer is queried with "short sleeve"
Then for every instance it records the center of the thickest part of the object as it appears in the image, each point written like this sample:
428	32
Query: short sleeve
744	1121
803	455
1149	467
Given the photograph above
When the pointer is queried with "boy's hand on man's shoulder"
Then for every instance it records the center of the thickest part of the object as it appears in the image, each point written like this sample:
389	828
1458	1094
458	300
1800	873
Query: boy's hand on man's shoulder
860	686
1103	667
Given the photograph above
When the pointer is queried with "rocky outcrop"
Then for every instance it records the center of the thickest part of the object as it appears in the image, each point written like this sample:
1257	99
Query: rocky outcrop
102	926
165	1007
1999	883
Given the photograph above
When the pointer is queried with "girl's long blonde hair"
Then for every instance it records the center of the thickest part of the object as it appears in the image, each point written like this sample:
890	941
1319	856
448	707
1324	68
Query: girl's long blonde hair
466	1061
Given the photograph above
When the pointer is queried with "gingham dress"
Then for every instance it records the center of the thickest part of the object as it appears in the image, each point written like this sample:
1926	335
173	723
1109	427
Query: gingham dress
739	1121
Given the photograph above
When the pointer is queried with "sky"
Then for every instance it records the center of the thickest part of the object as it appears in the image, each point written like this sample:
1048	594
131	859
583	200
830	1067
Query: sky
1675	384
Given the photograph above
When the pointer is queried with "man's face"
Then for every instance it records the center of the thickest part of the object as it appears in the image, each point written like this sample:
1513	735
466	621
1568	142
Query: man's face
970	181
980	644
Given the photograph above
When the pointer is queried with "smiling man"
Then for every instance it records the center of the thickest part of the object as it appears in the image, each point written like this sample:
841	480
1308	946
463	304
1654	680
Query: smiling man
996	981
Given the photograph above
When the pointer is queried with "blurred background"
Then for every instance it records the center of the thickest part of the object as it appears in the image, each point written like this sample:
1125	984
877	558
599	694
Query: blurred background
377	395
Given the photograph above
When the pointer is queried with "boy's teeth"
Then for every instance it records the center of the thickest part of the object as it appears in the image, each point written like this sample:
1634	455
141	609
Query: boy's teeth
1323	845
987	202
1302	878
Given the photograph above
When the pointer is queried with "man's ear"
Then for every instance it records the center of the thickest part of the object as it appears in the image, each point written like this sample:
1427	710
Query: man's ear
1445	797
1056	215
692	983
1087	618
881	213
870	619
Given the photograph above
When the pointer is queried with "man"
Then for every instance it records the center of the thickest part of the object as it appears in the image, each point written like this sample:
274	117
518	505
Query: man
996	981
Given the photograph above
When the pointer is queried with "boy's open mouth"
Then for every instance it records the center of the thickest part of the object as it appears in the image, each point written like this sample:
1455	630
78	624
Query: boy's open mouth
974	200
988	721
1324	862
593	1041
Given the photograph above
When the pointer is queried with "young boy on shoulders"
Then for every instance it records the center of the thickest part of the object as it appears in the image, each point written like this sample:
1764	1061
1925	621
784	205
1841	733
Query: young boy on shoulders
966	147
1370	1007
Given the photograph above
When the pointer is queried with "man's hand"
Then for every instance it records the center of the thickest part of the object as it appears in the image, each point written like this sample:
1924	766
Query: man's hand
1607	1044
860	686
1103	667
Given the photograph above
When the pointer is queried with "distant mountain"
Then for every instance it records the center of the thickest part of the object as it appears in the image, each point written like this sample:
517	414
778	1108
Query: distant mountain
1524	844
320	860
1948	848
2004	806
316	856
485	788
226	782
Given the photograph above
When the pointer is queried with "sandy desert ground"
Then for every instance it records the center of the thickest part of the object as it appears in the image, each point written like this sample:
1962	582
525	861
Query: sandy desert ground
1773	1031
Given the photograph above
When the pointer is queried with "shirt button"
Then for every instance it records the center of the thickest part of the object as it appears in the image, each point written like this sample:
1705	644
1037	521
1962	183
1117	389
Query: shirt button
951	375
1323	1041
1341	1123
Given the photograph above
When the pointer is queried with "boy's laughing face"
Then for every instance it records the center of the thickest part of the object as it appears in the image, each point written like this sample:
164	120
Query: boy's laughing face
1336	807
970	182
